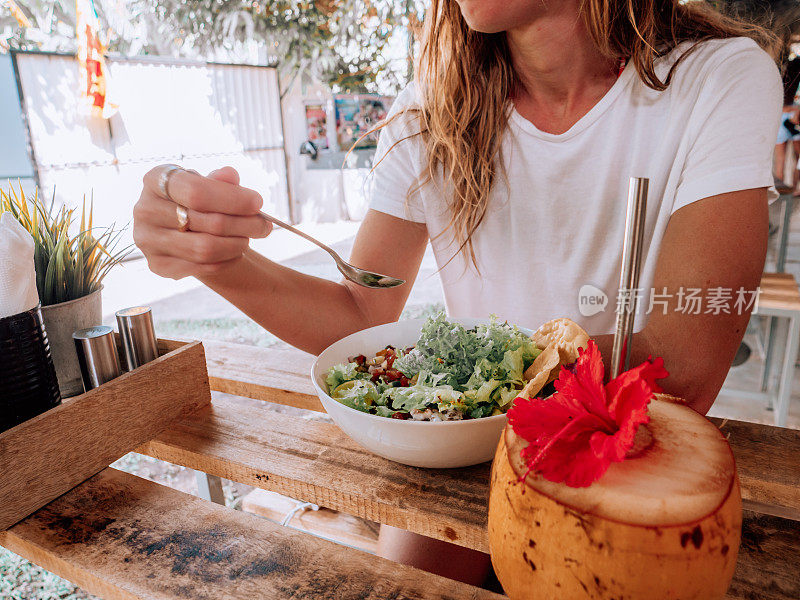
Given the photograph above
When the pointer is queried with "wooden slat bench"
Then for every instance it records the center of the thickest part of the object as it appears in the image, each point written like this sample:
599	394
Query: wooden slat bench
306	457
314	461
123	537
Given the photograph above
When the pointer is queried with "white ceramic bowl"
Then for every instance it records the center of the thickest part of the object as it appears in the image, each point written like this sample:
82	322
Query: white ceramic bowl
435	444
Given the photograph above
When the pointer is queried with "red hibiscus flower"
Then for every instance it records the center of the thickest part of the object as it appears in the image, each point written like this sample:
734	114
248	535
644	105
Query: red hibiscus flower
575	434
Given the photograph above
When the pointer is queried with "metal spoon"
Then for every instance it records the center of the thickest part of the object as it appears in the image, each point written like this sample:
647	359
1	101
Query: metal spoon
354	274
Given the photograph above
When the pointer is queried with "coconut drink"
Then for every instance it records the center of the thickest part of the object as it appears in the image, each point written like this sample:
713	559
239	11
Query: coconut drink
611	491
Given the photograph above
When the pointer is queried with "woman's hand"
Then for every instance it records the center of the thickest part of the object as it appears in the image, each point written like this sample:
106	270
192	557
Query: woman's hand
222	218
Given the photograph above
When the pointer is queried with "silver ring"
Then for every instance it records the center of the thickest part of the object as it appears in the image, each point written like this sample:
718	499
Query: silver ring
163	180
183	217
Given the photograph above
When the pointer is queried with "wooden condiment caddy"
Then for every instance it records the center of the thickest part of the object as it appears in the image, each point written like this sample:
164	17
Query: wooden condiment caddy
50	454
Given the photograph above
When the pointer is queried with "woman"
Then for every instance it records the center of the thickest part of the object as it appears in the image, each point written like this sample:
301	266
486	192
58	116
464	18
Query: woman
512	154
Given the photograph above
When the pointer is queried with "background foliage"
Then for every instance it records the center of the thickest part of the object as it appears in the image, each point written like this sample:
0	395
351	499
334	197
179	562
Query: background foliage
352	45
347	44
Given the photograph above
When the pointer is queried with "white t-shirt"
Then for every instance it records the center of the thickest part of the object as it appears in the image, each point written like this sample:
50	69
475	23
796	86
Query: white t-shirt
559	223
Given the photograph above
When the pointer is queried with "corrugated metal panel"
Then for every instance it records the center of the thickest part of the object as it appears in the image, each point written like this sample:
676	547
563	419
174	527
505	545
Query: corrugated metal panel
248	101
200	116
62	130
14	159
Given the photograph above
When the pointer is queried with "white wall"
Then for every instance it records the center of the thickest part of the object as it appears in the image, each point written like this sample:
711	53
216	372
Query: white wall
198	115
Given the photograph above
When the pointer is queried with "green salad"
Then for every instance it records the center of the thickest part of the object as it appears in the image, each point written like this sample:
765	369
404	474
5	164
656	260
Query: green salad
452	373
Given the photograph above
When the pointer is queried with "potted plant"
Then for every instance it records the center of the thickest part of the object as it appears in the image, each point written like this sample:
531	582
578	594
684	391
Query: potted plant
70	263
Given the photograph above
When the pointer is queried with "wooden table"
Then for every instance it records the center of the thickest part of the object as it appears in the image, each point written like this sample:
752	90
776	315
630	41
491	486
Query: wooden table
120	536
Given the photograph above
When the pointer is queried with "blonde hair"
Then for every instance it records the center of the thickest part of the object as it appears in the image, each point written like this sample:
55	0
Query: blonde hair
466	83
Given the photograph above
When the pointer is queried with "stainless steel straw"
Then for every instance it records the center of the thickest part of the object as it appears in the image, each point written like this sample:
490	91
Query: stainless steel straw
629	276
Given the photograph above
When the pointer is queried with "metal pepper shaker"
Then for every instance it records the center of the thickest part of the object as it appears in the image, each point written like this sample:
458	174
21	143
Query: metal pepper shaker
97	355
138	335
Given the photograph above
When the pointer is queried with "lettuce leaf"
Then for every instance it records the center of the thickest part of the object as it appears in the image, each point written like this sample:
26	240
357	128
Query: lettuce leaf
341	373
453	352
419	397
359	394
383	411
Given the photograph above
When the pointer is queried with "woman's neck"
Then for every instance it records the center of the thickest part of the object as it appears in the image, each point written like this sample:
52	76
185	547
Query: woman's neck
561	72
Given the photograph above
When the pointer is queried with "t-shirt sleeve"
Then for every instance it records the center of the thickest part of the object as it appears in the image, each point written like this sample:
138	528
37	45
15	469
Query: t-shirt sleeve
397	166
733	127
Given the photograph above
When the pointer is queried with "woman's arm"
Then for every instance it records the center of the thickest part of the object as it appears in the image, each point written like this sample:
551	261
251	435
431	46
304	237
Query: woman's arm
307	312
718	242
311	313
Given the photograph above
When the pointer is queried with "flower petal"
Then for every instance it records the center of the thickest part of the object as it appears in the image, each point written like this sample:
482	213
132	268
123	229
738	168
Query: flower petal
572	461
575	434
536	419
583	384
631	392
649	371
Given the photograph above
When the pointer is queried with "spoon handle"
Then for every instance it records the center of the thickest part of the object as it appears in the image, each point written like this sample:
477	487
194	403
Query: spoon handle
360	276
302	234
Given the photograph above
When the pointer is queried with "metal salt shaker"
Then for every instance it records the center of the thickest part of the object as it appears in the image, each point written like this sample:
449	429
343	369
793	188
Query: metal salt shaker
97	355
138	335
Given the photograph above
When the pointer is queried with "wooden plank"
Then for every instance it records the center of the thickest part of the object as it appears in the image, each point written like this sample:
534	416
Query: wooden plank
330	524
787	290
768	559
768	509
314	461
278	376
122	537
775	278
126	538
165	346
52	453
768	457
770	305
768	279
779	291
768	460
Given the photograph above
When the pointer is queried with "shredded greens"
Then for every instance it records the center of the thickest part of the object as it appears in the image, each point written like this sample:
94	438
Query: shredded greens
452	373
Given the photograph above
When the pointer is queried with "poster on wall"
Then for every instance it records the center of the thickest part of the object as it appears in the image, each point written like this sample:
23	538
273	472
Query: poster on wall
356	116
317	125
94	80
